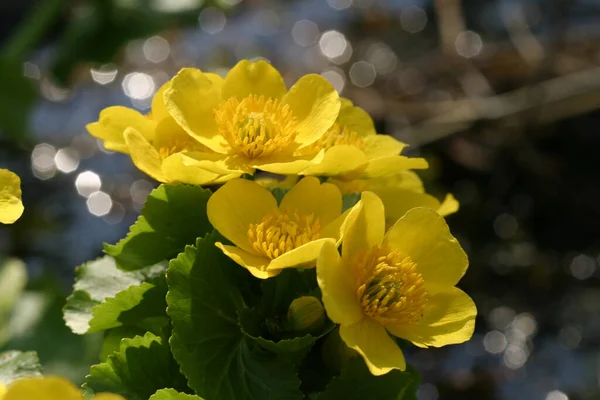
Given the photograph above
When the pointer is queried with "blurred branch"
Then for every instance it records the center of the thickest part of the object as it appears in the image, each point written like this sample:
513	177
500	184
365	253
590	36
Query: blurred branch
450	23
564	97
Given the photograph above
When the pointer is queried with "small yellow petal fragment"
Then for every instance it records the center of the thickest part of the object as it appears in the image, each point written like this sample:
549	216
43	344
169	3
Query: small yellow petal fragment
11	207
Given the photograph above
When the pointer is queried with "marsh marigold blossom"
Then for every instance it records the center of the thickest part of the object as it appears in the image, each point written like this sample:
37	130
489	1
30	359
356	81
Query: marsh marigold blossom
399	193
399	283
249	120
11	207
47	388
268	238
353	149
154	141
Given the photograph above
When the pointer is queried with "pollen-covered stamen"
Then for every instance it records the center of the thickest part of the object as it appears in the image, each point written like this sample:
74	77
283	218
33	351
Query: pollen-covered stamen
390	289
256	126
340	134
282	231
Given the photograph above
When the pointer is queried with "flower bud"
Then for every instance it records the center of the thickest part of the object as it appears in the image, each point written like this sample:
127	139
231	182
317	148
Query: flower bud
305	315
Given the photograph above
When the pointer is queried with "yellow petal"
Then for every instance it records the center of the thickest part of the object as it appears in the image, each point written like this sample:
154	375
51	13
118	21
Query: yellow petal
448	318
11	207
253	77
272	183
336	228
355	119
408	180
256	265
215	162
391	165
398	201
315	104
338	287
224	178
47	388
3	390
309	196
190	100
169	135
424	236
366	225
159	109
287	165
107	396
112	124
235	206
370	340
174	169
304	256
449	206
338	160
144	155
377	146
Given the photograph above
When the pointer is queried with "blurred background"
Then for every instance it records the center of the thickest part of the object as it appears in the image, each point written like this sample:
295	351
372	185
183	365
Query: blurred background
501	96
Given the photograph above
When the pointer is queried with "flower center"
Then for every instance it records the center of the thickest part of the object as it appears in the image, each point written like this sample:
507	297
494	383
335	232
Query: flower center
282	231
390	289
256	126
336	135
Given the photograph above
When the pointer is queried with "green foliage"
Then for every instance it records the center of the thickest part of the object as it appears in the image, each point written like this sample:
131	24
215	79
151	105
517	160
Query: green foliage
16	365
142	366
13	278
17	95
279	193
173	217
349	200
279	292
171	394
105	297
219	361
357	383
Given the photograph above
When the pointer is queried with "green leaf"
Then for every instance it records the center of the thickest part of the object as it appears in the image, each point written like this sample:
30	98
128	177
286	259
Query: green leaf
357	383
251	322
280	291
105	297
173	217
142	366
279	193
16	365
349	200
172	394
144	306
219	361
112	339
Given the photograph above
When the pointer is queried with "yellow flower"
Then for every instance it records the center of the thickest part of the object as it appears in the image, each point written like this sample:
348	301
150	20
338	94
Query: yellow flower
154	141
399	283
250	120
353	149
399	193
268	237
11	207
47	388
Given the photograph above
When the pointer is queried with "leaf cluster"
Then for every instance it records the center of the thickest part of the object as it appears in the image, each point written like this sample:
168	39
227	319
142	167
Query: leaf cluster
183	321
